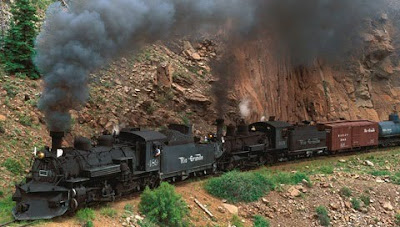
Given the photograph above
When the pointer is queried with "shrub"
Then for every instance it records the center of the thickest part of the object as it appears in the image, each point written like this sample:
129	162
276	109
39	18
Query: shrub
13	166
327	169
396	178
236	221
345	191
25	120
146	223
322	214
288	178
11	89
163	206
128	207
85	215
260	221
89	224
108	211
239	186
356	204
366	200
1	193
380	173
397	219
6	206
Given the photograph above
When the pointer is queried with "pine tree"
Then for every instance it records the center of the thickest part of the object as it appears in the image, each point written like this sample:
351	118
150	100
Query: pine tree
18	44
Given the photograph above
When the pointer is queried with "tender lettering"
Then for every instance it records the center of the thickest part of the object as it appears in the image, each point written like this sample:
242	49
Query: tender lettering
192	158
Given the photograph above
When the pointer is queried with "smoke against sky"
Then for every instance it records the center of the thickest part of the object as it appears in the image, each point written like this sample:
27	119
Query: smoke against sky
74	42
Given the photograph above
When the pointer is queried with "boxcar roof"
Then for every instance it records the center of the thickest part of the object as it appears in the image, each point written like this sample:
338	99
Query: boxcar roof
338	124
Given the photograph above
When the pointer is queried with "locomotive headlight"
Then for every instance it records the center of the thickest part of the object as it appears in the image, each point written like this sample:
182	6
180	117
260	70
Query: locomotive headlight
40	155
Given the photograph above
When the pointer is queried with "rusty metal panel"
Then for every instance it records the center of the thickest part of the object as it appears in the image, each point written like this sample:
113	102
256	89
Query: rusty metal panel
339	137
365	134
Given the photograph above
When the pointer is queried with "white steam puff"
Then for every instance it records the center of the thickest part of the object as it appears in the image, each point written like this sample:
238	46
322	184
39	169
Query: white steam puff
244	107
75	41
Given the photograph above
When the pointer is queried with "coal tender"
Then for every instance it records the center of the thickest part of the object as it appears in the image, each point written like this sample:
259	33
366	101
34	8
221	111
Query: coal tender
64	179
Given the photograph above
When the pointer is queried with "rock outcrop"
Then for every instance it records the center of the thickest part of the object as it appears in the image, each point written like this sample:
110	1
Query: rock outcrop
363	88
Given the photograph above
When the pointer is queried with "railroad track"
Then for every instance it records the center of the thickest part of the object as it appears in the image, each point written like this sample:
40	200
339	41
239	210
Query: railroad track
24	224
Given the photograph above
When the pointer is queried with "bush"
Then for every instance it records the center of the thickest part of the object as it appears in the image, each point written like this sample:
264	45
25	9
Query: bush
397	219
13	166
25	120
396	178
239	186
108	211
323	217
380	173
355	203
128	207
260	221
328	169
288	178
85	215
11	89
146	223
6	206
163	206
236	221
366	200
345	191
89	224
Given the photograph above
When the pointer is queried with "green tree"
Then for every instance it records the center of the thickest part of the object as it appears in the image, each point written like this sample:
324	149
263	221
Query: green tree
18	43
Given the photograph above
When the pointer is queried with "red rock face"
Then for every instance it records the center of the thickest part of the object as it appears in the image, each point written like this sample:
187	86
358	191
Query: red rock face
366	88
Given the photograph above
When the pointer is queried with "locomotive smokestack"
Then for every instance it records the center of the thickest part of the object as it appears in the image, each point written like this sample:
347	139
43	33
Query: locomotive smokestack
56	140
220	128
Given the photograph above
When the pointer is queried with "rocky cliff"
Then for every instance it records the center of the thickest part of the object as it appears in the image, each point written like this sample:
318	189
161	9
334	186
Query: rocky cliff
366	87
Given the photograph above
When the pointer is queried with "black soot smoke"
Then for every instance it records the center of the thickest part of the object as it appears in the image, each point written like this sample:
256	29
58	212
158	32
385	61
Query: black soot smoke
75	41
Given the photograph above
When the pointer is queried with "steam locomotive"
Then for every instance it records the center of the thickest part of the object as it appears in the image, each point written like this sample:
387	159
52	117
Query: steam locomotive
64	179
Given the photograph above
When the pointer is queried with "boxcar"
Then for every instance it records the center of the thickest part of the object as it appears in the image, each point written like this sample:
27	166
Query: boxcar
347	135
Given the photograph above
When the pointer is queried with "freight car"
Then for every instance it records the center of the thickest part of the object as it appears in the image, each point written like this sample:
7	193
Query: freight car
350	135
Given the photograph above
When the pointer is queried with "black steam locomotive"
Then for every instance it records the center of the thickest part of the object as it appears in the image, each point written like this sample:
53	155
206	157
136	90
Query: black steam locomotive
64	179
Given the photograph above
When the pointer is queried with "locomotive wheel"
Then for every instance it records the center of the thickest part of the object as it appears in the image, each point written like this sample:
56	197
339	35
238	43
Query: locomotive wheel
154	182
73	204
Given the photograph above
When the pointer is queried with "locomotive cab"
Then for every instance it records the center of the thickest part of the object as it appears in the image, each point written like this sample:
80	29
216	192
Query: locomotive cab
149	145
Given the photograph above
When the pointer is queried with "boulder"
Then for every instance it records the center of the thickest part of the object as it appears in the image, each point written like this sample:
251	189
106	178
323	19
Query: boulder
2	118
231	208
387	206
294	192
368	163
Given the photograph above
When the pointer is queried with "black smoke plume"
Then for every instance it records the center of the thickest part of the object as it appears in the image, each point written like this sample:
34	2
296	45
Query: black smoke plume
75	41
